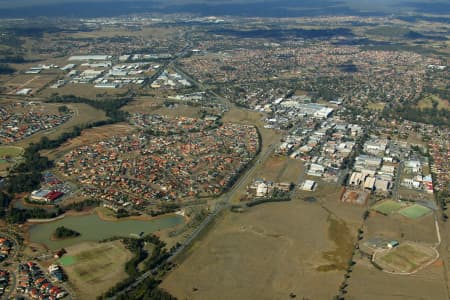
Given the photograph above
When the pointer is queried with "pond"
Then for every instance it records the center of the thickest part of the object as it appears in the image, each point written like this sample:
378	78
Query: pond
92	228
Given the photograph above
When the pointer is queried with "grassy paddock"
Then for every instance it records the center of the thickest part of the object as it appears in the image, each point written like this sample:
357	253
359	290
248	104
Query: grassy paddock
406	258
10	151
95	267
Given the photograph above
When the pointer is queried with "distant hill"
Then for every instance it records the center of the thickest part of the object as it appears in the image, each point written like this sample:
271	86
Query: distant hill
267	8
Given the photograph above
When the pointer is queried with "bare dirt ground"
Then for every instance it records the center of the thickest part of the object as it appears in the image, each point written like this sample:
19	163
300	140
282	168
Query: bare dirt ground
268	252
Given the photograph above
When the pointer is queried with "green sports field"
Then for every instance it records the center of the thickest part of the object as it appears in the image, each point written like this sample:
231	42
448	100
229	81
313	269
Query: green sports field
66	260
387	207
415	211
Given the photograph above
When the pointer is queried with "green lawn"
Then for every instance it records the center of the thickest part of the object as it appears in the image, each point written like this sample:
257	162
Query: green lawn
387	207
415	211
66	260
10	151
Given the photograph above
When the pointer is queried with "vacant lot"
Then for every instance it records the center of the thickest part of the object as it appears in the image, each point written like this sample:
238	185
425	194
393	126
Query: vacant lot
427	102
368	283
406	258
268	252
376	106
243	116
9	155
90	136
83	114
414	195
84	90
145	104
34	82
95	267
397	227
10	151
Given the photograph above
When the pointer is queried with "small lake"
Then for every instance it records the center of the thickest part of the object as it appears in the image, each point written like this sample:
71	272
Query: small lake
92	228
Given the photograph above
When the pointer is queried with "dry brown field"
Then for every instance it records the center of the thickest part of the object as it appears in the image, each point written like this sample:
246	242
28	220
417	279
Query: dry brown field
83	114
84	91
272	250
97	267
90	136
368	283
267	252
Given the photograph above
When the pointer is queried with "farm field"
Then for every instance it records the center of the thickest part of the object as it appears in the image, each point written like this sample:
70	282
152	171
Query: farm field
83	114
406	258
268	252
92	268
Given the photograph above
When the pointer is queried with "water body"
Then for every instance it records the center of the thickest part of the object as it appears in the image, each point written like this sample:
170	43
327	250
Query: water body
92	228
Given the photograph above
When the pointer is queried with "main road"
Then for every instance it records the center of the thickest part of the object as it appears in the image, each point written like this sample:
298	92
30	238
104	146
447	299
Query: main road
224	202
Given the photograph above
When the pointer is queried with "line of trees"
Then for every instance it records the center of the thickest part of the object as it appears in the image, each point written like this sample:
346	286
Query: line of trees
147	289
26	176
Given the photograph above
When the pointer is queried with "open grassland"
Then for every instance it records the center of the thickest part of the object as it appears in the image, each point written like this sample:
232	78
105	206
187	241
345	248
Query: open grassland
90	136
368	283
280	169
145	104
35	82
414	195
387	207
406	258
179	110
10	151
268	252
397	227
83	114
95	267
427	102
84	91
376	106
153	32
